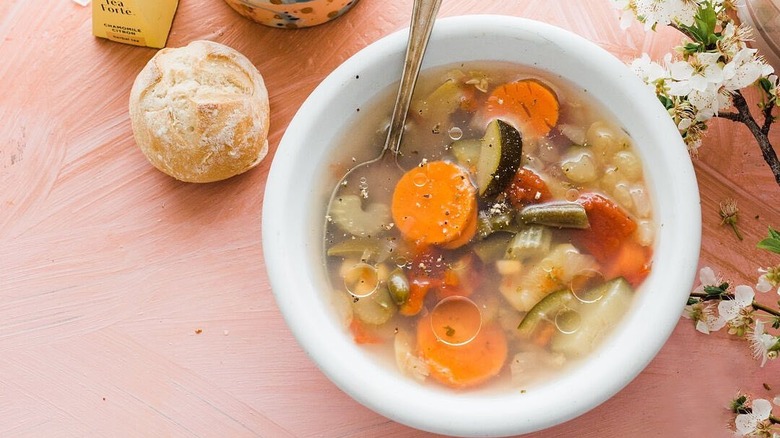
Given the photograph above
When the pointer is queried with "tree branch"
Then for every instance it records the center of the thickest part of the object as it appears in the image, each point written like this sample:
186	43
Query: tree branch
768	119
770	156
736	117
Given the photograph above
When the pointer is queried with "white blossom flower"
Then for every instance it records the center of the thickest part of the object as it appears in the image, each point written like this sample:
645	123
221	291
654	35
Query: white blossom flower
626	14
648	70
700	72
684	124
744	69
735	312
764	285
773	84
703	313
743	297
756	421
708	102
666	12
704	317
733	39
761	343
707	277
769	279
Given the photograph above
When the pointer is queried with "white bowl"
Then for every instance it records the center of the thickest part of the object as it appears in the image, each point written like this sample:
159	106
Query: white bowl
295	199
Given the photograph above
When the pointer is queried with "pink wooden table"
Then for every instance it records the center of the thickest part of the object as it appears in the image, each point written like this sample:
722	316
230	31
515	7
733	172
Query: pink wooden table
135	305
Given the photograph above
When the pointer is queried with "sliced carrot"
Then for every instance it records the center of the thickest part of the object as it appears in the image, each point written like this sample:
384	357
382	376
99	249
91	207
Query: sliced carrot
610	227
468	233
418	289
456	320
527	187
461	366
532	104
632	261
435	204
362	334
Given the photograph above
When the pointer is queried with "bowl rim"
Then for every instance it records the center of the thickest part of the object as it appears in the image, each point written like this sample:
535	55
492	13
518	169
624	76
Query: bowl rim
479	413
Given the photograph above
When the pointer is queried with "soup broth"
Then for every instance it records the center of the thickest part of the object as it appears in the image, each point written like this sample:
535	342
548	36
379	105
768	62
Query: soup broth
510	244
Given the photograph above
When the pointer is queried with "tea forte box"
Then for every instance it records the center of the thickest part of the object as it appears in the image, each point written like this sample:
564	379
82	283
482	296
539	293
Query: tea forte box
137	22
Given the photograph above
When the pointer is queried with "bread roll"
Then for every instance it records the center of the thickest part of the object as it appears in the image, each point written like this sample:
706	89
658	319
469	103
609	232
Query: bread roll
200	112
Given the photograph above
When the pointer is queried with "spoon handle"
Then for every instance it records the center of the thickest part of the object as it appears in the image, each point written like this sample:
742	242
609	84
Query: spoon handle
423	17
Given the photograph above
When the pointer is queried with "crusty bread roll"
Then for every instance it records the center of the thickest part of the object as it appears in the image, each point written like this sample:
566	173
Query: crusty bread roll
200	112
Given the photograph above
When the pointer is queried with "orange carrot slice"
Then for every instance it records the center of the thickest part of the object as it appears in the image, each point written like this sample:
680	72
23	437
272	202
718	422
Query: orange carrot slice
470	229
435	204
529	102
362	334
461	366
456	320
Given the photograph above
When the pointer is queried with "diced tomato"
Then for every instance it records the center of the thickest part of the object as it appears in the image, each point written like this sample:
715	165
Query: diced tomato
610	227
527	187
432	270
632	261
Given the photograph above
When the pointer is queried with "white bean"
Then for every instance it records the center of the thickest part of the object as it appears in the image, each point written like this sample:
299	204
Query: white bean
605	140
601	138
610	178
622	194
580	168
629	164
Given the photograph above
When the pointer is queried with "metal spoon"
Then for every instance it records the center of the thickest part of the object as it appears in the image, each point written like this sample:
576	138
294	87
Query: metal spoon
363	177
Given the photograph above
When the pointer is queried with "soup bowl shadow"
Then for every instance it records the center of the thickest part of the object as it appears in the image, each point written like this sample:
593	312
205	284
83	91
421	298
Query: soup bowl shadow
300	182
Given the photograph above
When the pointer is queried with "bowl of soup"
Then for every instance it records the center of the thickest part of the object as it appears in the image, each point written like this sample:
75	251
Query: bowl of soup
526	258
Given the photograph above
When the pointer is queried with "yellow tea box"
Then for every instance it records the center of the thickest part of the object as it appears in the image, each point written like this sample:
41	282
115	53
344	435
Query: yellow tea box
138	22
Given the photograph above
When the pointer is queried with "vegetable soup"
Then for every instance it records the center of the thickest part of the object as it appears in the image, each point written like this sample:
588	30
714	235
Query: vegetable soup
510	242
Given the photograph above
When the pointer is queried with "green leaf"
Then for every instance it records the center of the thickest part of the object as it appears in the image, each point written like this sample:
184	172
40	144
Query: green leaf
691	48
776	346
771	243
738	405
775	321
703	28
665	101
716	290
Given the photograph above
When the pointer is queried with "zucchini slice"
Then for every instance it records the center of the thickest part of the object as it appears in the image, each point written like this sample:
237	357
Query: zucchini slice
545	311
612	299
466	152
499	158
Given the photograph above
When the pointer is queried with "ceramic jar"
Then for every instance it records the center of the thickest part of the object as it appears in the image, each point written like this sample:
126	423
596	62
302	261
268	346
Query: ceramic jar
291	14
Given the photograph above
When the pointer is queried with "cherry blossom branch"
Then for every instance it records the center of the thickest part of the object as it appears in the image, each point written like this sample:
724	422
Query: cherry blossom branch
760	133
729	296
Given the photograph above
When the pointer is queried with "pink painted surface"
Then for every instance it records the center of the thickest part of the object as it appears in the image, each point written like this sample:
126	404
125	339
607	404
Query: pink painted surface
135	305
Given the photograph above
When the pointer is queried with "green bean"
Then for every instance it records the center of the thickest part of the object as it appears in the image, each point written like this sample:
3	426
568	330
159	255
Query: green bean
559	214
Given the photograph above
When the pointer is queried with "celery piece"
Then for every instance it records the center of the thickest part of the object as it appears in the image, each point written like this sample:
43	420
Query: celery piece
529	242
